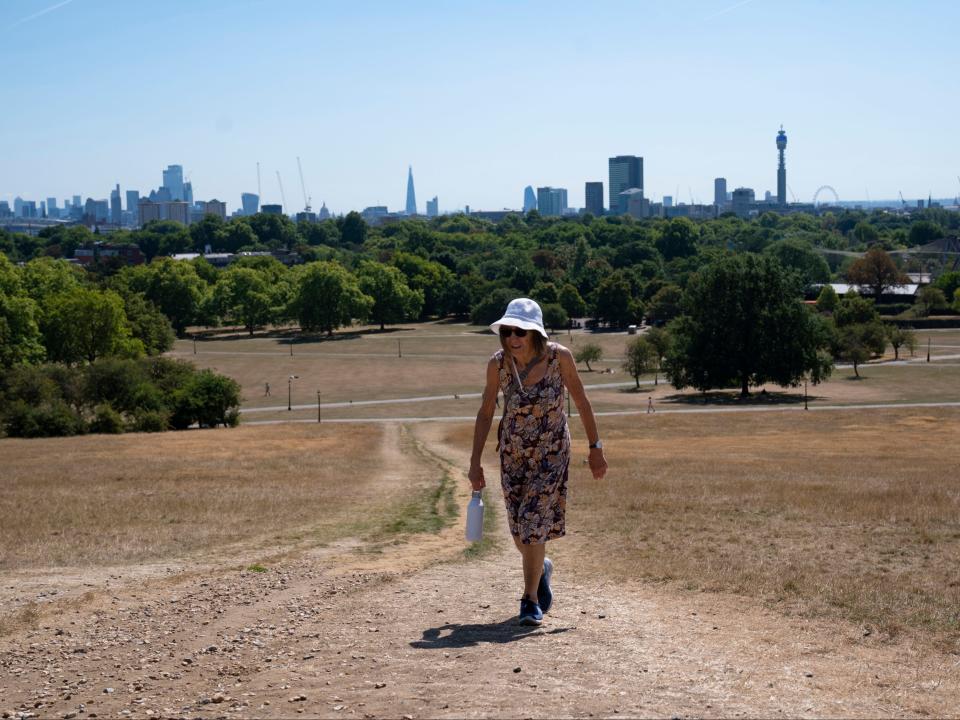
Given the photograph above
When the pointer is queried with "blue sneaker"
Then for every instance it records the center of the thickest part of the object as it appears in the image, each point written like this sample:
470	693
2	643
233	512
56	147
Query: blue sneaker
544	593
530	613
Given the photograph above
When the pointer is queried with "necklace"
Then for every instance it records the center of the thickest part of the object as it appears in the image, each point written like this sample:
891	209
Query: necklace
528	367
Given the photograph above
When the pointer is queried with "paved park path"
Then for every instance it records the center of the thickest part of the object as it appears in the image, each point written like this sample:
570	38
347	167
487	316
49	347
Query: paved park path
417	630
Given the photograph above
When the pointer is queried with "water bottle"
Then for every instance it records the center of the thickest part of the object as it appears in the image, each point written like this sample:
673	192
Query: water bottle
475	517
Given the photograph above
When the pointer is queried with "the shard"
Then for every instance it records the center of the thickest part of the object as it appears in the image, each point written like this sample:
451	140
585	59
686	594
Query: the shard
411	195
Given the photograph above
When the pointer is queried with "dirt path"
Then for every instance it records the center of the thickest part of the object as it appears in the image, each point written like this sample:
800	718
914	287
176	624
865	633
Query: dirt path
416	630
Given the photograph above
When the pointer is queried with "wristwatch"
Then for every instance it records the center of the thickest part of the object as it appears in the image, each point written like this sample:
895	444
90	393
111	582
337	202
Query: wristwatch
598	445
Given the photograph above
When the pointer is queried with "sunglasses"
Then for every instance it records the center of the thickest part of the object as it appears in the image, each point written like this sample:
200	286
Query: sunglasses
506	332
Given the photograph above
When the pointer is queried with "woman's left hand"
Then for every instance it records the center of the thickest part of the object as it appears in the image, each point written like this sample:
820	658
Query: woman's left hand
598	463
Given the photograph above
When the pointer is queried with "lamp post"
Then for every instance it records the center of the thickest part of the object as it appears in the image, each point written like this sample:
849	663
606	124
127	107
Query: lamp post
319	417
399	351
290	380
805	394
928	349
194	344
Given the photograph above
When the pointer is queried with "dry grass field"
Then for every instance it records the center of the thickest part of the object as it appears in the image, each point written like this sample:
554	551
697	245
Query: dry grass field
132	499
849	514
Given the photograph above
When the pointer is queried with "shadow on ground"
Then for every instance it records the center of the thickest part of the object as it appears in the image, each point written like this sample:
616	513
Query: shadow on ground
733	398
455	635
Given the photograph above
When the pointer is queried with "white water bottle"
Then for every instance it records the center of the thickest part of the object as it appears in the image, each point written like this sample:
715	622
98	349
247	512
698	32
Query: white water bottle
475	517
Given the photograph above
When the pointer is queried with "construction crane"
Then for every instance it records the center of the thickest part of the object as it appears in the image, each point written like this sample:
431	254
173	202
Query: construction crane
306	199
792	193
902	201
283	197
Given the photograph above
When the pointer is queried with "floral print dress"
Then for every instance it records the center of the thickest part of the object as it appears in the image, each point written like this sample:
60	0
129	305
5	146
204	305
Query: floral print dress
534	445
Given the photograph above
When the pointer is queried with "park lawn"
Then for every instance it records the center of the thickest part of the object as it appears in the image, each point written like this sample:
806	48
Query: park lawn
114	500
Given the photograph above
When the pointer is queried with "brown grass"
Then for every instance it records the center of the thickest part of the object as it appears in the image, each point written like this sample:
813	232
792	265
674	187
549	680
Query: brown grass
855	515
108	500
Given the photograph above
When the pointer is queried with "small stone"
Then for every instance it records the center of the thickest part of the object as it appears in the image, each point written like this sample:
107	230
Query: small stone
219	697
338	708
108	691
601	617
379	685
809	674
297	698
517	669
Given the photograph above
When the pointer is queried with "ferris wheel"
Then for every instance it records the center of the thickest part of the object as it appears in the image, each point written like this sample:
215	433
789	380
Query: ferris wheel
825	189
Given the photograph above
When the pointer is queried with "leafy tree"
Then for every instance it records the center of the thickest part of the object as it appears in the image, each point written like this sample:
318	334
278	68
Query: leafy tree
828	299
929	299
660	340
800	256
237	236
10	282
877	271
492	306
614	302
393	300
208	232
641	358
865	233
273	231
554	316
162	237
901	337
427	276
956	299
174	287
455	299
665	304
588	353
744	323
853	309
207	399
244	294
327	297
20	340
572	303
84	325
858	342
544	293
353	228
678	239
148	325
45	277
949	282
923	232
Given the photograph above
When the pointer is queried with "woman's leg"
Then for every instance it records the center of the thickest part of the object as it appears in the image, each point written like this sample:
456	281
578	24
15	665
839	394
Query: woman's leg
533	555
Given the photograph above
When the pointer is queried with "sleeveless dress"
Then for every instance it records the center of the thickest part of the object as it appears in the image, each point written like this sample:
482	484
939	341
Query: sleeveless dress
534	445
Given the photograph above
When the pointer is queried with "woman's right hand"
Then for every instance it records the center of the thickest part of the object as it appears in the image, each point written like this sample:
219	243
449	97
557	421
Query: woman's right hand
476	477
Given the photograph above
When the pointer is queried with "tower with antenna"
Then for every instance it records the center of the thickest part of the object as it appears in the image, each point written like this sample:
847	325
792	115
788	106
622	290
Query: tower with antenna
781	168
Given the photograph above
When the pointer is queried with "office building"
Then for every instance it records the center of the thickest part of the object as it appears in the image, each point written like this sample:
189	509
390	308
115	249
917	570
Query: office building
551	201
147	211
668	201
215	207
781	168
77	202
5	211
529	199
271	209
250	203
133	200
116	210
593	198
52	210
720	192
433	207
188	193
411	207
633	203
626	172
18	206
173	181
743	202
178	211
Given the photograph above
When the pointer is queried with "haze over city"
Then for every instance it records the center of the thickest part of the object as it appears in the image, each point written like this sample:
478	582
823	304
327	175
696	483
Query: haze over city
481	100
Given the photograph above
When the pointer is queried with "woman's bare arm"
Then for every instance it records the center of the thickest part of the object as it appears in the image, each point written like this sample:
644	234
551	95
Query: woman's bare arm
571	378
481	430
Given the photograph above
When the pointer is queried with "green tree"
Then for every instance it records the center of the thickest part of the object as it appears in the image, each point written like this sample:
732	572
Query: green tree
660	340
641	358
10	282
949	282
745	324
353	229
877	271
588	353
491	307
207	399
901	337
858	342
678	238
853	310
828	299
665	304
148	324
865	233
174	287
569	298
393	300
429	277
956	299
614	303
800	256
554	316
930	299
237	236
208	232
327	297
923	232
84	325
162	237
244	295
20	340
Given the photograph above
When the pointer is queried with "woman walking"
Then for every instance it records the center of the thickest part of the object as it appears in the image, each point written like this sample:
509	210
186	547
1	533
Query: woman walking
533	442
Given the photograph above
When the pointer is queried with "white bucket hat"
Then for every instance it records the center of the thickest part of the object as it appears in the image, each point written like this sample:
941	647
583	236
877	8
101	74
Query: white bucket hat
522	313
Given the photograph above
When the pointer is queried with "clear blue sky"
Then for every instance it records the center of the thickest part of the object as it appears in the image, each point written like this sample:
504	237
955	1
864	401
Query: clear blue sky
481	98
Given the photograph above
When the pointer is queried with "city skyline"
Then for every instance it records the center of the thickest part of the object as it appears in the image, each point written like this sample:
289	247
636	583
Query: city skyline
710	87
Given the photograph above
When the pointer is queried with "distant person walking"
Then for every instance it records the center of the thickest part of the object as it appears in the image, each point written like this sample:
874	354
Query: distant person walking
266	389
650	407
533	441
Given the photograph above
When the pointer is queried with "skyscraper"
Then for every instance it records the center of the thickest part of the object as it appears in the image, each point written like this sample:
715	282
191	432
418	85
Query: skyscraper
173	181
433	207
52	211
133	200
551	200
781	168
593	198
116	211
529	199
411	195
720	192
250	203
626	172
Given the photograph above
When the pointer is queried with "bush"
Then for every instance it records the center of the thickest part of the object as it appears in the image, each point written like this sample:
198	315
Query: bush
554	316
106	420
151	421
492	307
53	419
207	399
